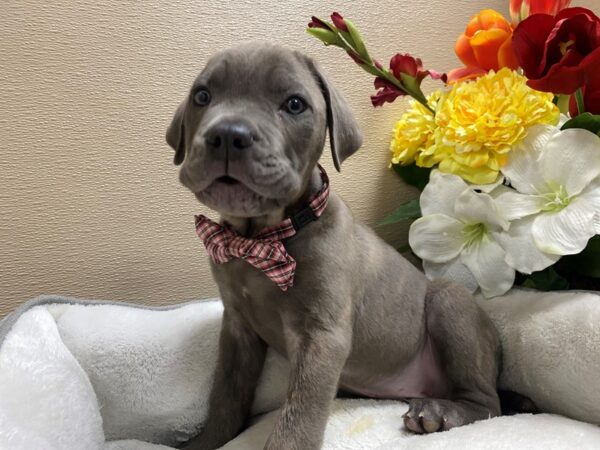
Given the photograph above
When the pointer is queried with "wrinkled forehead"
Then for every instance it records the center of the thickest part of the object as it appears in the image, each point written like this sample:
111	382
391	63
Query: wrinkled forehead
270	71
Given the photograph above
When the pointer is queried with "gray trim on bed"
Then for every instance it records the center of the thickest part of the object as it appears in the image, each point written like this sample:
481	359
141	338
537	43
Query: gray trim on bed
8	322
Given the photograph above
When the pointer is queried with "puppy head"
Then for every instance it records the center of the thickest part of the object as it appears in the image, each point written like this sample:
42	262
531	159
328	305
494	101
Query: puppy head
253	127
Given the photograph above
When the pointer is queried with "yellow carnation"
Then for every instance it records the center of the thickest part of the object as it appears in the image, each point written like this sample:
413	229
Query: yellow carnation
476	125
414	134
479	122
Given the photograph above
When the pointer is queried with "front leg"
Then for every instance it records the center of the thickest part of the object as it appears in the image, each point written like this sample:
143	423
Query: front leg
241	359
320	355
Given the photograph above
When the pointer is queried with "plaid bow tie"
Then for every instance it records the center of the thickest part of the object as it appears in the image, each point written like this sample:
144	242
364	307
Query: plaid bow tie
266	251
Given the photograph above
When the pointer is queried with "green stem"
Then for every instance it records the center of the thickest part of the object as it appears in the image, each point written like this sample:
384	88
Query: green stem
418	96
579	101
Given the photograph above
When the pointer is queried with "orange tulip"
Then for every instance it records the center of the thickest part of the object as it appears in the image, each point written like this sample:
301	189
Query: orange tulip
485	45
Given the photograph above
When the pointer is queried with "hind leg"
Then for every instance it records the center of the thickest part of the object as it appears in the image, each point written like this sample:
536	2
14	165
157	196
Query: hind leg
470	353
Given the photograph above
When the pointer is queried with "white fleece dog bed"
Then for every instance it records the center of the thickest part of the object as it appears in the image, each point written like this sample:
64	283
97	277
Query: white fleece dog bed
87	375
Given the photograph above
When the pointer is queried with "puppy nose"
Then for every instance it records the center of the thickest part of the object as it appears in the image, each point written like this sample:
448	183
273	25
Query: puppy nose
232	136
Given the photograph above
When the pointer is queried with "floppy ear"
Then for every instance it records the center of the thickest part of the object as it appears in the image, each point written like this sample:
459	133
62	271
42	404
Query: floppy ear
345	137
176	134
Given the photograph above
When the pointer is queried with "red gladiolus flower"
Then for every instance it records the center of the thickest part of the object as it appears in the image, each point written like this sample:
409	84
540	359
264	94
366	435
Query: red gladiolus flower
355	57
521	9
559	54
386	92
315	22
401	64
338	21
406	64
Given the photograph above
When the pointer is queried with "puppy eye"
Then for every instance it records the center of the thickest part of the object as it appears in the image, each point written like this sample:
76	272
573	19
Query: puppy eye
295	105
202	97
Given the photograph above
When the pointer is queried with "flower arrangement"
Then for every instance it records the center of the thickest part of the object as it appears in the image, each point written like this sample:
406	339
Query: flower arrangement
506	152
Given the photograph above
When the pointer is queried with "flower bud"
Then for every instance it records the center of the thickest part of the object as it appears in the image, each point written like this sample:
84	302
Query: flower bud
339	22
326	36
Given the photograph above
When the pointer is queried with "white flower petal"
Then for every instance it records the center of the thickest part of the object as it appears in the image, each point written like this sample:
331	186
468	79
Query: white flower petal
440	193
488	188
567	231
474	207
521	252
454	270
562	120
591	194
436	238
513	205
571	159
485	259
522	168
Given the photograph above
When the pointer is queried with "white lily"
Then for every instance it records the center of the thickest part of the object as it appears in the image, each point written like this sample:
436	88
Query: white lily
457	236
556	175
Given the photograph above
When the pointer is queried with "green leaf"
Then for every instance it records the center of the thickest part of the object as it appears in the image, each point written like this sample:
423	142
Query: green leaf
407	211
404	249
413	175
326	23
412	87
409	81
346	37
578	95
546	280
586	121
326	36
359	44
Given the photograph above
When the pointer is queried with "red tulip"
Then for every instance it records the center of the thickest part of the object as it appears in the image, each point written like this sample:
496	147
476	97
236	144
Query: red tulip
521	9
559	54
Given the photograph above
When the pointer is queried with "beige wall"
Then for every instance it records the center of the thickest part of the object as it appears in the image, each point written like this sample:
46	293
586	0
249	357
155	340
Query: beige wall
90	204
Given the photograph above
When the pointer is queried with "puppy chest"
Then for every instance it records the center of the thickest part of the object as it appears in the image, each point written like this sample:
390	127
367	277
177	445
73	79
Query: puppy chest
260	302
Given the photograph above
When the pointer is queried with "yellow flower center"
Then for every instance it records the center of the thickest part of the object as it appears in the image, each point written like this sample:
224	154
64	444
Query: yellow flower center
564	46
557	200
474	233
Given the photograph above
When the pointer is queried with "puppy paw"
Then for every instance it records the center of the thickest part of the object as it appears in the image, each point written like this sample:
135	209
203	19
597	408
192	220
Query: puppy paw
428	415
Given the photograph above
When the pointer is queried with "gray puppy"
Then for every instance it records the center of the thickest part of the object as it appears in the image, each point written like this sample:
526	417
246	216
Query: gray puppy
359	318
